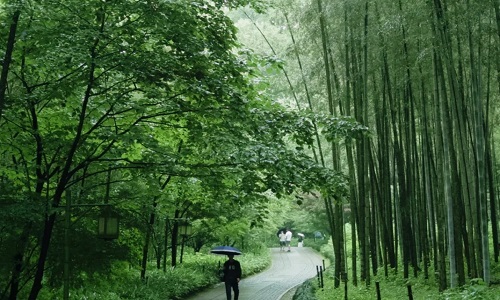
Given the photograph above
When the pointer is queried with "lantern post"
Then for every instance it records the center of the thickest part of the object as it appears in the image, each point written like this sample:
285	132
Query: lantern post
108	229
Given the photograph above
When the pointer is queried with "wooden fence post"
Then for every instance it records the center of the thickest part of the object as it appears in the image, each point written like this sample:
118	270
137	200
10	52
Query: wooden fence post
377	286
410	294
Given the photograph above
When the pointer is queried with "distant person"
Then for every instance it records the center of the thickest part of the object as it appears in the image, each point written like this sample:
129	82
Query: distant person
301	241
288	238
282	236
232	276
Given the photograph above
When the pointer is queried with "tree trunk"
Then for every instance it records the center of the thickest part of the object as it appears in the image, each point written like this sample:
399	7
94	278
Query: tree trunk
147	239
7	59
175	230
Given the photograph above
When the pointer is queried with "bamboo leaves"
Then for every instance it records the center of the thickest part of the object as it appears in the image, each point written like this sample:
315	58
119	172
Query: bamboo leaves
415	75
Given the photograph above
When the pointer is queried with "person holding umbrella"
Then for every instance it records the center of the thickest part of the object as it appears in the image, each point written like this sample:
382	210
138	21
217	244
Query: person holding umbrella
232	276
301	239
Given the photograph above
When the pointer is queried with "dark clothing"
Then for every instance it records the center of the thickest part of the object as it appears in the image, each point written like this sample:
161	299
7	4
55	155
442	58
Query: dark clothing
232	272
232	269
232	283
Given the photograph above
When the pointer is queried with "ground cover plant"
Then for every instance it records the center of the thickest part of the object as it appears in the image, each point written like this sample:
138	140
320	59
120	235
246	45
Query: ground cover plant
394	286
197	272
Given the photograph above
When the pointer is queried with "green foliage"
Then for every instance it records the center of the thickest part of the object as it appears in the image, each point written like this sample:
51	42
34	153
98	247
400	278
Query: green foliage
306	291
475	290
149	106
394	286
258	5
421	290
198	271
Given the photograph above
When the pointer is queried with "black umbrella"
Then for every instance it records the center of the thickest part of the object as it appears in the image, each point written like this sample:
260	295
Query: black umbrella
225	250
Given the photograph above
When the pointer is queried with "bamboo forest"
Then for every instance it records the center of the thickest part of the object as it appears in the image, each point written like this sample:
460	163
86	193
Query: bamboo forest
137	135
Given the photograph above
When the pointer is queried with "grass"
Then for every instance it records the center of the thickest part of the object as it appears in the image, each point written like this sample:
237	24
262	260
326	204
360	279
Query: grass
395	287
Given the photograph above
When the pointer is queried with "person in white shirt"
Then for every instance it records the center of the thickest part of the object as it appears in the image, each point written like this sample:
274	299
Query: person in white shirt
288	238
282	236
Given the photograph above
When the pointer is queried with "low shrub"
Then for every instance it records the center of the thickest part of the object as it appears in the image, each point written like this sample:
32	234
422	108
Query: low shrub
395	287
306	291
197	272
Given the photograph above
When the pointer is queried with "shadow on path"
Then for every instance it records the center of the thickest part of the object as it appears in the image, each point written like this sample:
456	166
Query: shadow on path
288	269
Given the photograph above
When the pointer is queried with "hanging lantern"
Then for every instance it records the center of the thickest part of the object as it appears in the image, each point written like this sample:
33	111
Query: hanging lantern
108	222
185	227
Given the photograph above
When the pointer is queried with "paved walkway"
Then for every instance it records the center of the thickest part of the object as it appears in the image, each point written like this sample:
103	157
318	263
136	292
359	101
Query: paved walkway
288	269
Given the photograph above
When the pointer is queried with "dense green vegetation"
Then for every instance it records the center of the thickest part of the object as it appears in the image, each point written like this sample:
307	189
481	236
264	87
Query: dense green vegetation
393	286
423	76
145	109
197	271
241	117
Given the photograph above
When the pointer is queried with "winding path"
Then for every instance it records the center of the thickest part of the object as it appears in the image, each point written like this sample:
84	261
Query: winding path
288	269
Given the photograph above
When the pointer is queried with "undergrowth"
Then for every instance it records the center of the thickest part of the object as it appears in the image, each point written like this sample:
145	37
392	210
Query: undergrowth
197	272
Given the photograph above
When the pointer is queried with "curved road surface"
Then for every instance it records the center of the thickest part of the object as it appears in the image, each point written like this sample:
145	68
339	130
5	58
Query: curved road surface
288	269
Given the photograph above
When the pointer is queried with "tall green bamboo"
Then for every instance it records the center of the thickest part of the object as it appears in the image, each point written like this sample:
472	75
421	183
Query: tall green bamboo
334	207
411	72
